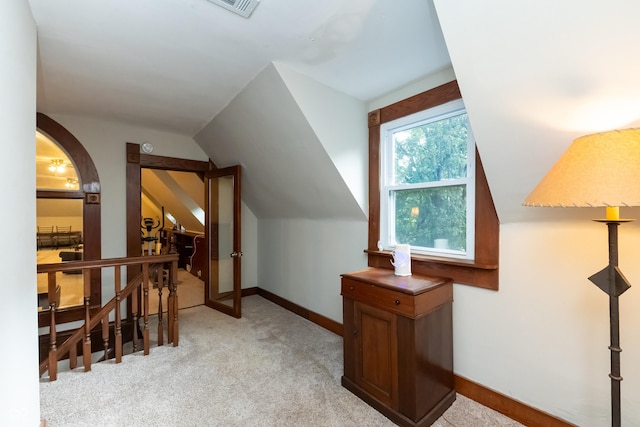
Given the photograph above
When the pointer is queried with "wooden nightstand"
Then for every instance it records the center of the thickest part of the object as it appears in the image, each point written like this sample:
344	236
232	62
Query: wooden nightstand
398	344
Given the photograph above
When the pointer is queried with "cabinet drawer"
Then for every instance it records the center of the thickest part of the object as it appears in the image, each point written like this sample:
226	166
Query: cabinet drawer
385	299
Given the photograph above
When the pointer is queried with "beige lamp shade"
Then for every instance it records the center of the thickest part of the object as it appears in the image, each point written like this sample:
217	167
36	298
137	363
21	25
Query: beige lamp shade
601	169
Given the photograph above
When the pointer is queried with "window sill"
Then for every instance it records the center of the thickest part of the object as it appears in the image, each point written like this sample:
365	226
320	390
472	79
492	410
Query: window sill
468	272
441	260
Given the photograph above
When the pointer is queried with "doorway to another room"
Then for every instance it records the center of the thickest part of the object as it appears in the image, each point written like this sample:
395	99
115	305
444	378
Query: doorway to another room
192	208
172	219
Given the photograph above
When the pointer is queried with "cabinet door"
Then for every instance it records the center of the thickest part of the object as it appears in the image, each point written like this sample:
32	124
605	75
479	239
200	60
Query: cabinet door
376	353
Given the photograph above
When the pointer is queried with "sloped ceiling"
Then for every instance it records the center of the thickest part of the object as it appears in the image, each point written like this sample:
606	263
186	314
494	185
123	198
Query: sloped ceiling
287	173
175	64
193	68
535	75
180	193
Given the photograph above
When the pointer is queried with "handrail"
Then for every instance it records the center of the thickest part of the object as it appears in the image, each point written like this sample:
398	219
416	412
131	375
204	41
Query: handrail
105	262
151	266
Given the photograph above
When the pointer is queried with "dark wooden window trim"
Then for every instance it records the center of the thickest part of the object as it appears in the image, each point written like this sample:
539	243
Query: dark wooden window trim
481	272
91	222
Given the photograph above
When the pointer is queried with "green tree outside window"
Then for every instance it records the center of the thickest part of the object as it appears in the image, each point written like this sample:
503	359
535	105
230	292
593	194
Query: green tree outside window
427	184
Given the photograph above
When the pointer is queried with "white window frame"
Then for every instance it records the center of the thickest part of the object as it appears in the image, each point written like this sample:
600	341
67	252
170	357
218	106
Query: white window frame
387	211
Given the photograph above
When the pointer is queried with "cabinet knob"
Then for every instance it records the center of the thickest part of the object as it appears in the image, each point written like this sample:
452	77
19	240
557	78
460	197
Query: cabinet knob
351	288
397	302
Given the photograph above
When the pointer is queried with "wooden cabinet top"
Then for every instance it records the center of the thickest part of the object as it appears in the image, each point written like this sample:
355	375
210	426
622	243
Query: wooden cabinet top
411	285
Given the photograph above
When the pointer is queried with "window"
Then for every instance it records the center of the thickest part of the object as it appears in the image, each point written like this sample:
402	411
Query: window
427	182
85	172
399	197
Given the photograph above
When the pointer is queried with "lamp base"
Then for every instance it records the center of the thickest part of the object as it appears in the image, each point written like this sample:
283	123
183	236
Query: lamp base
611	280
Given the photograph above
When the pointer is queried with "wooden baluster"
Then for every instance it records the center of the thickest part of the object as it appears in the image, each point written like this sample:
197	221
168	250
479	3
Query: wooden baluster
53	349
135	306
118	324
140	306
173	303
105	337
145	289
86	348
73	354
170	299
73	357
160	283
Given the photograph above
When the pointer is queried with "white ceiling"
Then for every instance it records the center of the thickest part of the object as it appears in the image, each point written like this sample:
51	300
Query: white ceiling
175	64
534	74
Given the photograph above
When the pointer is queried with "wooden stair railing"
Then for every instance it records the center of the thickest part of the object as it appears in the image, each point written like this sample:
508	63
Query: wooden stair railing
153	268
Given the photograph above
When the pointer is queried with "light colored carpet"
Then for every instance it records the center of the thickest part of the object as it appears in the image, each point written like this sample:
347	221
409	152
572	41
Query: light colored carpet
269	368
190	293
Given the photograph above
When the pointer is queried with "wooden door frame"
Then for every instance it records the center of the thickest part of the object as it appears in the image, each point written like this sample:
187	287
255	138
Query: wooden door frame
211	217
135	162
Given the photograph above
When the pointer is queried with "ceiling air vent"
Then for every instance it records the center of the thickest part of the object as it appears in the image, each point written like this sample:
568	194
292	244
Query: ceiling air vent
241	7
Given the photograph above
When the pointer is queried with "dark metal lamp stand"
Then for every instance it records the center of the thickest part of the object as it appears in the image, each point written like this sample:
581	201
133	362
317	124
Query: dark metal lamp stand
612	281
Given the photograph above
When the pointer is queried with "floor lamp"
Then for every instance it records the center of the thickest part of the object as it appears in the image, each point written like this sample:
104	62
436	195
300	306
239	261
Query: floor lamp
599	170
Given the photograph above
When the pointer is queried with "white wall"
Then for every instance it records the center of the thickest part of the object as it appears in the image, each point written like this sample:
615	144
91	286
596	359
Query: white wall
533	81
428	82
301	260
59	213
341	131
287	171
310	237
61	221
542	339
106	144
20	403
249	239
